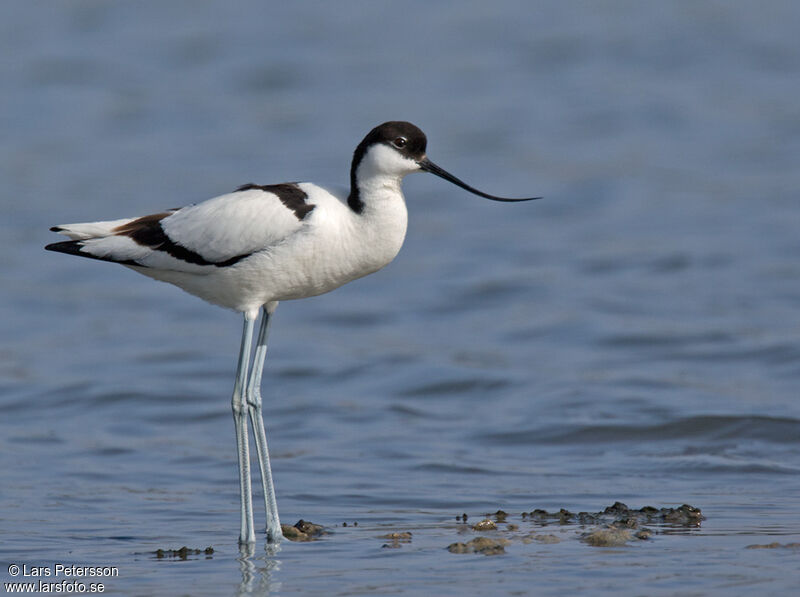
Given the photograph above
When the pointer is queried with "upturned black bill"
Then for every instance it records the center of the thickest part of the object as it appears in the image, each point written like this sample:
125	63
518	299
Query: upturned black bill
428	166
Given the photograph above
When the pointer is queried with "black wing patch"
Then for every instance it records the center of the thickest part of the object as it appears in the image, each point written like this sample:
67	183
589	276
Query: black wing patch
291	195
147	232
73	247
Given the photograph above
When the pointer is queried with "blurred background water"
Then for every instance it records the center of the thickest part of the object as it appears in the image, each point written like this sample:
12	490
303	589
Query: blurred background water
632	337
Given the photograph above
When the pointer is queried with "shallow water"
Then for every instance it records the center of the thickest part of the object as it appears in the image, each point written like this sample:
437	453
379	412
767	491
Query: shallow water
632	337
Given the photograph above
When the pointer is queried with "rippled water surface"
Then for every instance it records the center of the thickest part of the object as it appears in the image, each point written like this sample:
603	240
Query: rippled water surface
633	337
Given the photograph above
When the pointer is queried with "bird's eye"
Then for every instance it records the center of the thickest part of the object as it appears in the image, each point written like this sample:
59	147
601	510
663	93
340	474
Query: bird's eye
400	142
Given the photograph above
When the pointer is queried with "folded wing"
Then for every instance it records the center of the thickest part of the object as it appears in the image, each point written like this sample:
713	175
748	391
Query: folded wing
219	232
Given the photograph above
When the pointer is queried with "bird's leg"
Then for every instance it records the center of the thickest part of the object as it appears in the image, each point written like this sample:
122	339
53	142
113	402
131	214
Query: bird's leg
274	533
247	533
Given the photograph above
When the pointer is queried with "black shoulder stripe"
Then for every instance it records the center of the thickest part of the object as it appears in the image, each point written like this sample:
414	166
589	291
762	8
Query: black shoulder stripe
291	195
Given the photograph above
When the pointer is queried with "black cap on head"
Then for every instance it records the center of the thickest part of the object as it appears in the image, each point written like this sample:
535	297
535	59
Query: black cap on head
401	136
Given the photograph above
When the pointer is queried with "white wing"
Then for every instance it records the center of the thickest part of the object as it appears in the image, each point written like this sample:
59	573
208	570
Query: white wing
219	232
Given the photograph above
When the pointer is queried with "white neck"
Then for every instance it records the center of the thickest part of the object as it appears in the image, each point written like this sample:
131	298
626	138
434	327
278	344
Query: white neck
379	173
383	218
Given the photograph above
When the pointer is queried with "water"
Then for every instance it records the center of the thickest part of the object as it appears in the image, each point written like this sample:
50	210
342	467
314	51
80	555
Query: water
632	337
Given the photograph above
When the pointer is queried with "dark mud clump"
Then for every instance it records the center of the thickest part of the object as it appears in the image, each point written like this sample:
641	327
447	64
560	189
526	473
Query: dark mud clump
619	523
607	537
775	545
485	525
541	538
303	530
563	516
396	539
614	526
482	545
183	553
620	514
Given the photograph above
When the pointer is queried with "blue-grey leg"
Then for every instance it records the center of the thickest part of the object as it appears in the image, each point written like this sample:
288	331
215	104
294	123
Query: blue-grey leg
274	533
247	533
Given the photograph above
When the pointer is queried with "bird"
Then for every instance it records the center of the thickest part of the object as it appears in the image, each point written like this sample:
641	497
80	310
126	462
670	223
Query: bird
262	244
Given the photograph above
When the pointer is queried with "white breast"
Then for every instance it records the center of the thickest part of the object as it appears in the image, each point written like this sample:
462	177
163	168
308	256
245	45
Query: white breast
331	246
335	245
